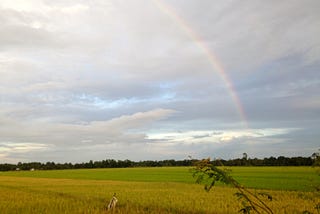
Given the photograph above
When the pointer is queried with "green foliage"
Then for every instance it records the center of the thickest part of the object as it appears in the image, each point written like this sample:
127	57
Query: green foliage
111	163
208	174
316	158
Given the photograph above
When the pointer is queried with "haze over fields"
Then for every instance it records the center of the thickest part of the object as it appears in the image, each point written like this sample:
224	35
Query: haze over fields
142	79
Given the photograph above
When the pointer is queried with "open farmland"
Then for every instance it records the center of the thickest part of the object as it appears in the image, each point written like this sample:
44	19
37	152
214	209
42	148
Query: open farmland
150	190
276	178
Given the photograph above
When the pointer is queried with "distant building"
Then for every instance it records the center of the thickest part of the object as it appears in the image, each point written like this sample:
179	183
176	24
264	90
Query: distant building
17	169
32	169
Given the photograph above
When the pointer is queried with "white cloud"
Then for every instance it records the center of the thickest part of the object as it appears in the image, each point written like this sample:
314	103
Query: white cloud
9	150
217	136
74	9
22	147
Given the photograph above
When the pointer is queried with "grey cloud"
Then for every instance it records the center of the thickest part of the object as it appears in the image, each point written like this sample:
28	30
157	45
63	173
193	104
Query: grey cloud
118	132
96	131
67	65
246	35
201	136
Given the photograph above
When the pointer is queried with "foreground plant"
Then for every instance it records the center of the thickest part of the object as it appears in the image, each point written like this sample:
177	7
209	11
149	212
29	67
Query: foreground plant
208	174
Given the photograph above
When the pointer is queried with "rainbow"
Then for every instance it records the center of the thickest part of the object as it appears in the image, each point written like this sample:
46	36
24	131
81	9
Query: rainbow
211	56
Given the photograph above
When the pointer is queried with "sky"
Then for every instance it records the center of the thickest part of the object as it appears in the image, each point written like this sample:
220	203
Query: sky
158	79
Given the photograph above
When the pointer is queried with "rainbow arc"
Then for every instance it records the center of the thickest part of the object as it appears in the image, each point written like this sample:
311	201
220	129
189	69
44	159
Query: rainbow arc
211	56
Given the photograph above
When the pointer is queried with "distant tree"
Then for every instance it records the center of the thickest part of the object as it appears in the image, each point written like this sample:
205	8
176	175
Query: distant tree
272	161
316	158
244	156
245	159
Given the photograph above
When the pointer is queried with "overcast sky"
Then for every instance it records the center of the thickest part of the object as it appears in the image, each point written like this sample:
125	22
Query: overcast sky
142	79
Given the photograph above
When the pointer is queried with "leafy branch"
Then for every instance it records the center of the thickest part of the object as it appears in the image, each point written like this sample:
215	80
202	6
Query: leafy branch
208	174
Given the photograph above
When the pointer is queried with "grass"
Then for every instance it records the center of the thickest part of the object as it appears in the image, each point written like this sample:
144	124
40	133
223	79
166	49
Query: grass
278	178
160	174
151	190
275	178
50	195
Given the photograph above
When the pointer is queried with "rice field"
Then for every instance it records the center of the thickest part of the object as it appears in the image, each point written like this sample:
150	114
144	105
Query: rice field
275	178
157	190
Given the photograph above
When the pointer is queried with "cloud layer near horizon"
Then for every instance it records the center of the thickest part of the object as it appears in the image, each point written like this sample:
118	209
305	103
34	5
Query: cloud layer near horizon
92	80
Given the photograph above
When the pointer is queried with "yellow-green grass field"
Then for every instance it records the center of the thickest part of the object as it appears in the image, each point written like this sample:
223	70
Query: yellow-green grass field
148	190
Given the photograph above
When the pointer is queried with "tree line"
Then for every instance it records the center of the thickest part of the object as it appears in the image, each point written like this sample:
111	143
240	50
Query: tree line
111	163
